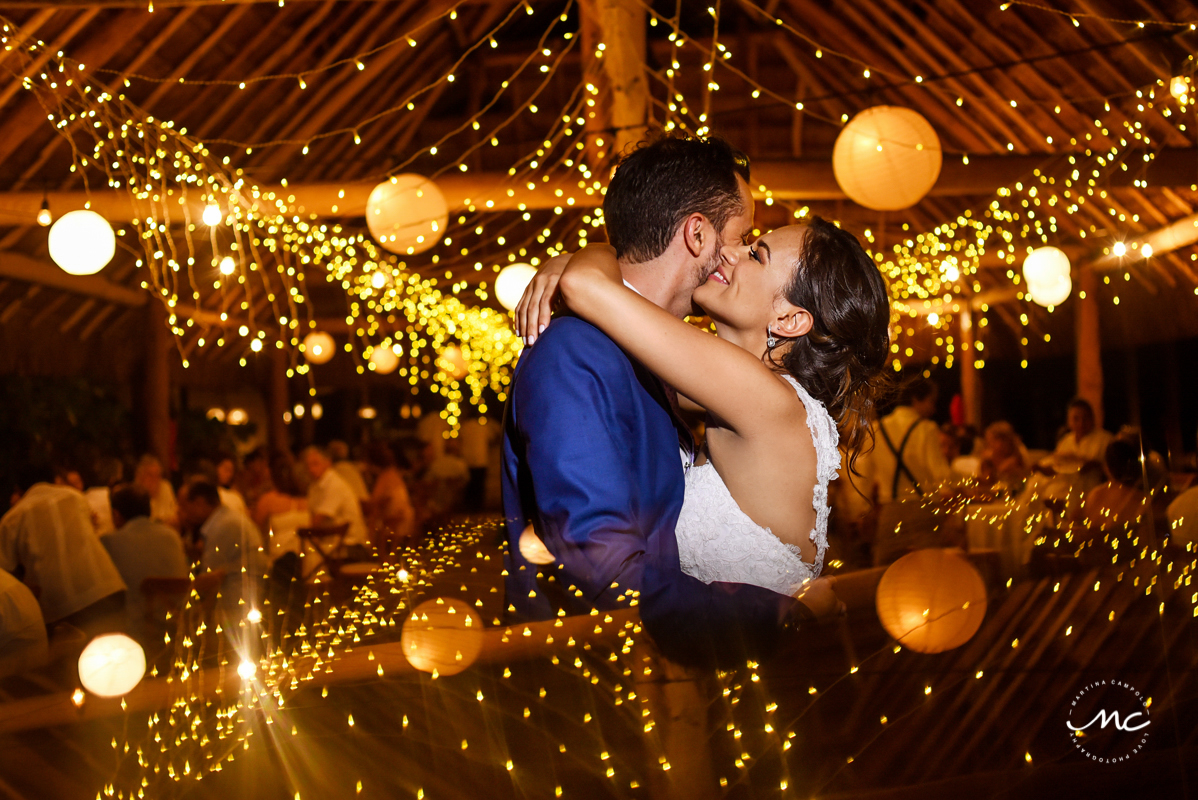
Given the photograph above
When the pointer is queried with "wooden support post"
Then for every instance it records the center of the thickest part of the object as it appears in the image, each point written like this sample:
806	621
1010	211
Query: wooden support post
1089	343
618	72
971	382
277	403
158	385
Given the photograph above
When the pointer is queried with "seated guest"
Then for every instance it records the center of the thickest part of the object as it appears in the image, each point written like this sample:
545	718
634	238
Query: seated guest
1120	501
1084	446
163	506
282	509
141	548
339	454
66	475
330	499
391	514
23	644
49	535
254	478
109	472
1002	460
226	471
230	542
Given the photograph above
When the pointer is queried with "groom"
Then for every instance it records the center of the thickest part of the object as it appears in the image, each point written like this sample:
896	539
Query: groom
594	454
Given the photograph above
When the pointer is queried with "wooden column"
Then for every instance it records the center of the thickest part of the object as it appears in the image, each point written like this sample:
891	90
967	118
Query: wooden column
971	382
618	71
277	403
1089	343
157	389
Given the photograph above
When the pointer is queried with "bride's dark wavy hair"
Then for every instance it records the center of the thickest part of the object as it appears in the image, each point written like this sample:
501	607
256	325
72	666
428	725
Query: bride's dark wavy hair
840	360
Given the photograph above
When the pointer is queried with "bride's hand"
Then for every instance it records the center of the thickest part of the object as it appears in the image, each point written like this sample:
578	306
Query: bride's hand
820	598
535	308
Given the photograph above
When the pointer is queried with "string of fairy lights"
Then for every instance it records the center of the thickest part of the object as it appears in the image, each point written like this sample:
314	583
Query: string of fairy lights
919	268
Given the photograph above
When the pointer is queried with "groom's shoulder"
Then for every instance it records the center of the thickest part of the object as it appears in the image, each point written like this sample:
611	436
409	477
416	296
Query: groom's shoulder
569	338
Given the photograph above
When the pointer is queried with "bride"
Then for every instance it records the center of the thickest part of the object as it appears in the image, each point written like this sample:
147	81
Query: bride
802	317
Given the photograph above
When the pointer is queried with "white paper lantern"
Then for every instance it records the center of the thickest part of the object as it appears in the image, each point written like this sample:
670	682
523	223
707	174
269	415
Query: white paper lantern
406	214
887	158
931	600
384	360
319	347
511	283
82	242
1046	270
111	665
443	636
1051	292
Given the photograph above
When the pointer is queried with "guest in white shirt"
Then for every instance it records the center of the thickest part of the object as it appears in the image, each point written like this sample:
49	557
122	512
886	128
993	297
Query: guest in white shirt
163	506
23	644
49	535
226	471
906	465
1085	445
109	472
141	548
331	501
348	470
231	543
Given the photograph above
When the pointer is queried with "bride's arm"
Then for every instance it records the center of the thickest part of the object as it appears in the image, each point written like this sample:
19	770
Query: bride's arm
721	377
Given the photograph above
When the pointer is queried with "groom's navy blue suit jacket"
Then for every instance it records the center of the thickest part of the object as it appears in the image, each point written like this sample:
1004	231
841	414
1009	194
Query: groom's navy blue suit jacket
591	457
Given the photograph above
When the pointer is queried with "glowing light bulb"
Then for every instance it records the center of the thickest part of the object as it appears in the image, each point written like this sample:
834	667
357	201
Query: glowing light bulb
1119	249
255	616
227	266
212	215
247	669
933	318
44	218
1179	87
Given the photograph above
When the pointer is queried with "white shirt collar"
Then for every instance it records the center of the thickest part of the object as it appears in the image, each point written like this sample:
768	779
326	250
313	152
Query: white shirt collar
633	288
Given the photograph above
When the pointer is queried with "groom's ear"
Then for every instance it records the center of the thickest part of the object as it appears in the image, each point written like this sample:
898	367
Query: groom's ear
696	232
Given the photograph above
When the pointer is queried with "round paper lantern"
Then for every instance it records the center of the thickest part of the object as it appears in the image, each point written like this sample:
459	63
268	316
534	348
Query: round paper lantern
406	214
384	360
217	413
319	347
82	242
111	665
931	600
511	283
442	636
237	416
453	362
886	158
533	549
1046	270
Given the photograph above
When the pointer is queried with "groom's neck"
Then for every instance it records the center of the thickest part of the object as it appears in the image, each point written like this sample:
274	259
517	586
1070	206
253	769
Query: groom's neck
658	282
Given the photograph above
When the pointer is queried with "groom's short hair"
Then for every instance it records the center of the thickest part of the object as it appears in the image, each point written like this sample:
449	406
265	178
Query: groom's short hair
661	183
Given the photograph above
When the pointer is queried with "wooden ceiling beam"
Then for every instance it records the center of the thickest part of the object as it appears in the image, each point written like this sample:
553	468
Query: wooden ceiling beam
21	267
309	33
797	179
29	116
295	99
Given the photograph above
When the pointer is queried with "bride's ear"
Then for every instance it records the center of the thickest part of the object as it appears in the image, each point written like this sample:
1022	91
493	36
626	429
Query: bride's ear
793	322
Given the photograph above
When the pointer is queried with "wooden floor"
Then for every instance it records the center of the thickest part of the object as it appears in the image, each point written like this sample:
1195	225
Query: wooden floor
808	719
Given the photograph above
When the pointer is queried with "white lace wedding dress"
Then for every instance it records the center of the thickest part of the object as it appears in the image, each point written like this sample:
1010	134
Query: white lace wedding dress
718	542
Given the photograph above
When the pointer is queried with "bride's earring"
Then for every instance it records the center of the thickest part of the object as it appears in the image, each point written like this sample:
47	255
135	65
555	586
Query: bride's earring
770	341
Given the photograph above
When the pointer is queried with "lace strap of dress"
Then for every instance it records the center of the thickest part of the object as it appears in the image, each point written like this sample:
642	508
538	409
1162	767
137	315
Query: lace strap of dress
826	438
